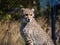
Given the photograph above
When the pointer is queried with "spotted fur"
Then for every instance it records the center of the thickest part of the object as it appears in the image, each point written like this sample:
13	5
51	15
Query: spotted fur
31	31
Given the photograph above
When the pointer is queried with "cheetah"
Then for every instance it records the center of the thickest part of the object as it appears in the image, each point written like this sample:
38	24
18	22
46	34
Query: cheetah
31	31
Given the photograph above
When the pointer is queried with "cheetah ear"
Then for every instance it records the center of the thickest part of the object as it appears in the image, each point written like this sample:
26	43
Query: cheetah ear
32	9
22	9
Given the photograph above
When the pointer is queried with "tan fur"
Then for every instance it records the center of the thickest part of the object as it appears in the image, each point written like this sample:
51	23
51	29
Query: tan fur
32	33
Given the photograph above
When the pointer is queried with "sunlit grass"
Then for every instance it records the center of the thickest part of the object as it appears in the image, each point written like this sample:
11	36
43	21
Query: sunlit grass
10	33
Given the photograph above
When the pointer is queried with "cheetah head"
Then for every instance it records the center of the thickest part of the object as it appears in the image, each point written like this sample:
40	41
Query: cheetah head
27	15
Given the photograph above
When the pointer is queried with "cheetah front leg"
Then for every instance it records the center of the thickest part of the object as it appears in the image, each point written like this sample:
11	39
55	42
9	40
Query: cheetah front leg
29	42
28	39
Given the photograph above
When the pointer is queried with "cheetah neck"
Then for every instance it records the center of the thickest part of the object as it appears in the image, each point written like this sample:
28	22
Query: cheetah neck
24	24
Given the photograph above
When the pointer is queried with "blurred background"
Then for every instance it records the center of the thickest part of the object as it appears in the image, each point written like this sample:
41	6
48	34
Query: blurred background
10	19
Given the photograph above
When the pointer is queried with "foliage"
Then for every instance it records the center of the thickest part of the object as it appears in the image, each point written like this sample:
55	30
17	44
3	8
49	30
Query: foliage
11	8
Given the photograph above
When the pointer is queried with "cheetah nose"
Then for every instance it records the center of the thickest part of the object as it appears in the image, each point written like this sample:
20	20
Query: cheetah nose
28	20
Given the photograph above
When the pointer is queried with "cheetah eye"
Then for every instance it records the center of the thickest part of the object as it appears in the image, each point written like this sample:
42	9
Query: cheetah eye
30	14
26	14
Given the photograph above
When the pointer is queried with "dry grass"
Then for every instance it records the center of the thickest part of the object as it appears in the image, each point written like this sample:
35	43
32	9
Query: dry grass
10	33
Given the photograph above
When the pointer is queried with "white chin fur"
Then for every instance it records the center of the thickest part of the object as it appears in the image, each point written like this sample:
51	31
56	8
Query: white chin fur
24	21
30	20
